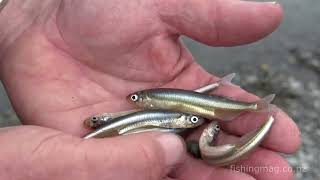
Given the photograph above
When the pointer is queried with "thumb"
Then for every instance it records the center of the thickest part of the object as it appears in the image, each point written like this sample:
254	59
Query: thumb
147	156
30	152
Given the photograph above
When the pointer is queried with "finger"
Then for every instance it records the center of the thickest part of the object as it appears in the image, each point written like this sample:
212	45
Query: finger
265	165
221	22
146	156
197	169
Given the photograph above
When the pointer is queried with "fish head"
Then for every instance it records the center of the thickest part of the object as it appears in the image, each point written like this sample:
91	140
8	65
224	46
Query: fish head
209	134
213	129
140	99
192	121
94	121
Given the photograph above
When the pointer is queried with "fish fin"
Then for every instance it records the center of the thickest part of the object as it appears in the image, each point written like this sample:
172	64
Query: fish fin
227	79
207	88
223	81
264	105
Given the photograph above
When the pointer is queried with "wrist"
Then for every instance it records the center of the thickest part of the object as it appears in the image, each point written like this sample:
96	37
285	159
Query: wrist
18	15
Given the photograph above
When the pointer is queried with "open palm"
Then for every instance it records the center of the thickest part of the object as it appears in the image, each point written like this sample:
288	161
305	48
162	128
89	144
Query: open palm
85	56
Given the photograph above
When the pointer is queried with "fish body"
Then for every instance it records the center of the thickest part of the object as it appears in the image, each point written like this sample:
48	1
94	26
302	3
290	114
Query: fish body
224	155
209	106
163	130
172	119
184	121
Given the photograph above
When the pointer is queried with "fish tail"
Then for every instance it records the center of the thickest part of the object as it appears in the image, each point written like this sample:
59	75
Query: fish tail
227	79
264	104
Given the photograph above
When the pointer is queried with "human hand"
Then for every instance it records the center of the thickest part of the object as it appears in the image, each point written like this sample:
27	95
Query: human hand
75	59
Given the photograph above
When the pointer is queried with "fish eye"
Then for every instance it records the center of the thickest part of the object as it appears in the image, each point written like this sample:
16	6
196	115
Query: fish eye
194	119
94	119
134	97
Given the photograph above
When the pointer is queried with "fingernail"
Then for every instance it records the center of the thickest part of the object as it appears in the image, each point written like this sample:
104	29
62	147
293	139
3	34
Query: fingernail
173	148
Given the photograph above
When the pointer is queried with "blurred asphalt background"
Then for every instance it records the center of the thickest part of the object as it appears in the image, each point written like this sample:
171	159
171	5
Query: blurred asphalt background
286	63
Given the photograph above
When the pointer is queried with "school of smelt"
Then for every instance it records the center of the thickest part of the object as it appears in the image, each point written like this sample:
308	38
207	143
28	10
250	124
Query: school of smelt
176	111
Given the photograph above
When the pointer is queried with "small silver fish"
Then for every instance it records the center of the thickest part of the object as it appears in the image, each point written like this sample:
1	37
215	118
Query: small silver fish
224	155
167	119
97	121
209	106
